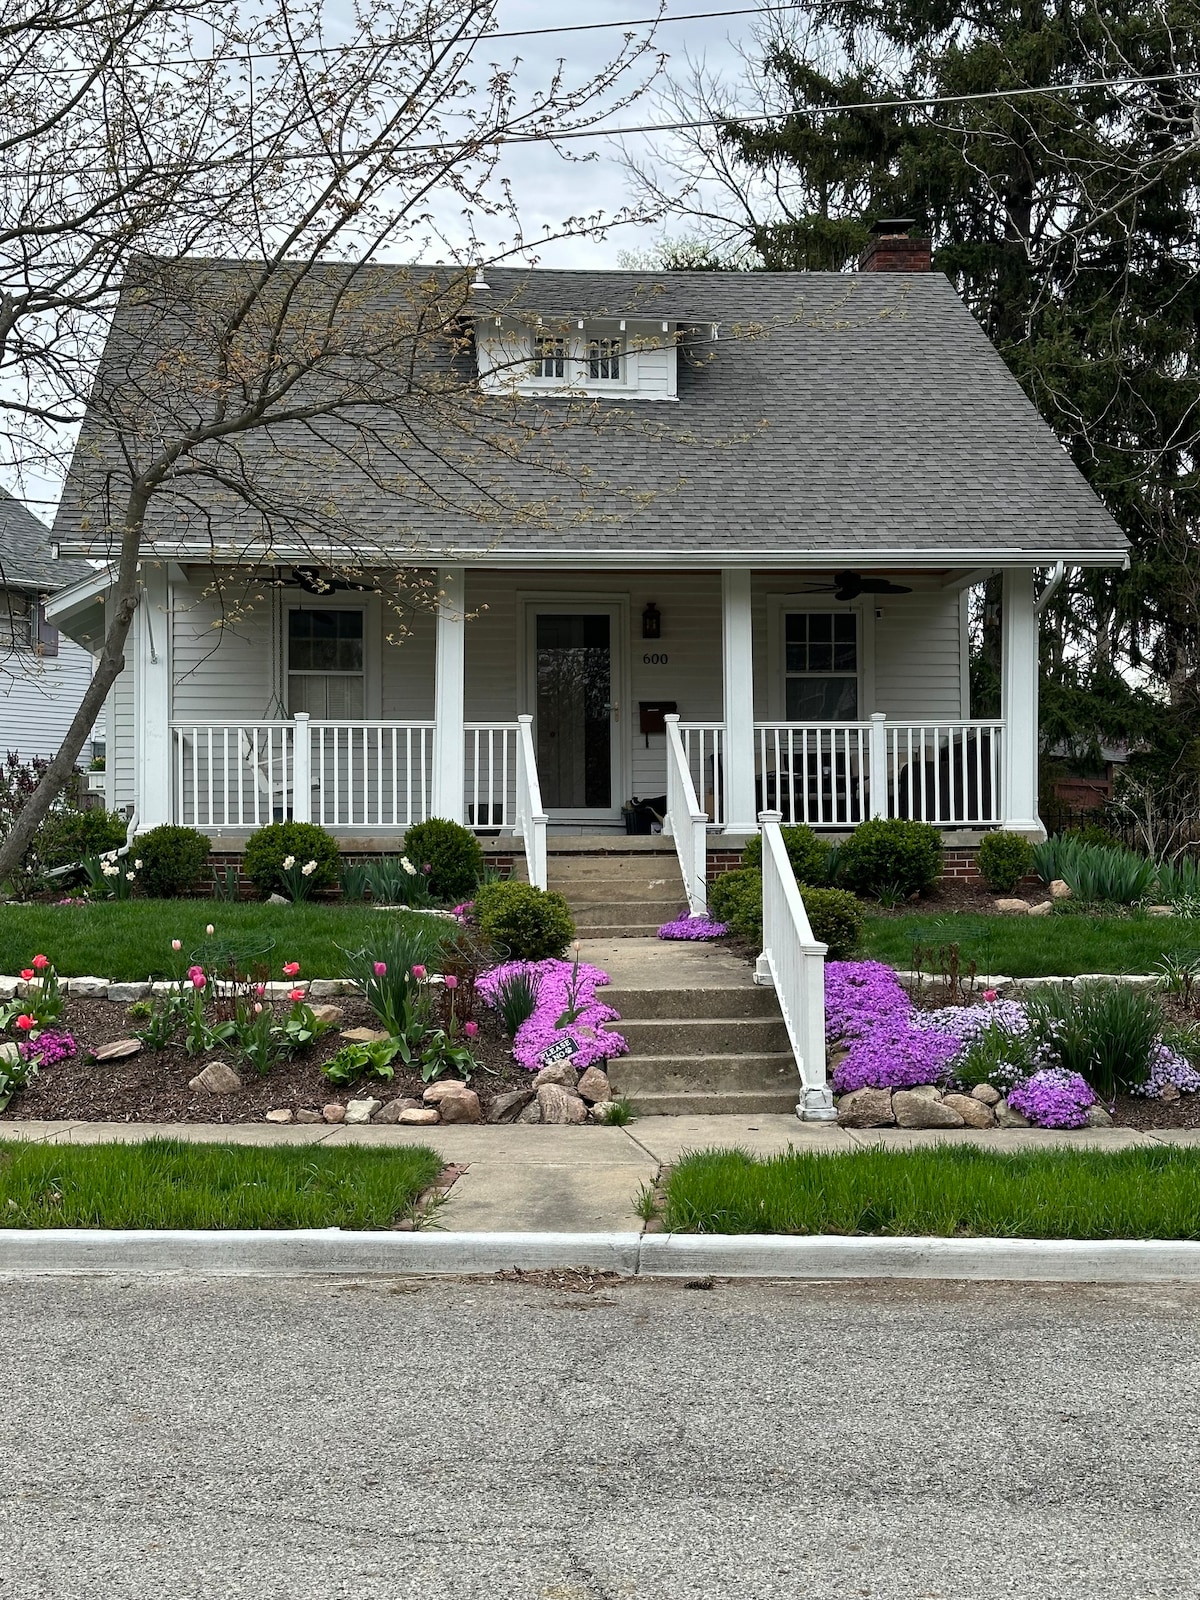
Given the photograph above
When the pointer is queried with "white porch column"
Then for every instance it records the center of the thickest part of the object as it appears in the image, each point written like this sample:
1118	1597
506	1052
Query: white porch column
449	737
152	697
1019	702
737	665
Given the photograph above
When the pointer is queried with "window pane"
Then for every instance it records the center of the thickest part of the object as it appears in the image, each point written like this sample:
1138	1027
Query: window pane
574	723
845	658
845	627
820	626
820	658
797	658
795	627
822	700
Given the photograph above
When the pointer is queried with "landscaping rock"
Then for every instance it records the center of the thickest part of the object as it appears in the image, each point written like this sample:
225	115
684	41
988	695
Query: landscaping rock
334	1112
1016	907
278	900
1169	1092
87	988
603	1110
360	1111
283	1114
559	1107
913	1109
462	1107
593	1086
531	1113
866	1108
1042	909
505	1107
124	993
562	1073
218	1077
419	1117
391	1111
973	1112
1160	911
1060	889
438	1091
330	1015
309	1115
329	988
985	1092
1098	1117
1006	1117
118	1050
364	1035
9	987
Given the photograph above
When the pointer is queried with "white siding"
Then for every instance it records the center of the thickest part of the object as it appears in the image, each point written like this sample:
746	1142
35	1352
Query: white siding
221	673
38	697
650	358
119	759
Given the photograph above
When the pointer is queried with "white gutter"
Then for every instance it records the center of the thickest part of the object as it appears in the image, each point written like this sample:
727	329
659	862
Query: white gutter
1057	574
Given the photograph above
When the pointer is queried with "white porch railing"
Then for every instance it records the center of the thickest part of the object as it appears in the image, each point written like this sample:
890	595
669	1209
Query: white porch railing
343	775
793	961
834	775
685	821
531	817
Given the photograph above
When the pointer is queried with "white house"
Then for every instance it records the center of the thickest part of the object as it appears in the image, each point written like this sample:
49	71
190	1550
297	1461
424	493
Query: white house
42	675
762	499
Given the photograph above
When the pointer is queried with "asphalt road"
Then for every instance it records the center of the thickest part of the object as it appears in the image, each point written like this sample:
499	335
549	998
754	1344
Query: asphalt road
213	1440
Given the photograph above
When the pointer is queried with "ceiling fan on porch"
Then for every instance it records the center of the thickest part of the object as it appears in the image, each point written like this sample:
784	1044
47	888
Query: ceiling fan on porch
849	585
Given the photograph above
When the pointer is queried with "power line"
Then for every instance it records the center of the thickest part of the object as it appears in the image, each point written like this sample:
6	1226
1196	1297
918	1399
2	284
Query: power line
467	38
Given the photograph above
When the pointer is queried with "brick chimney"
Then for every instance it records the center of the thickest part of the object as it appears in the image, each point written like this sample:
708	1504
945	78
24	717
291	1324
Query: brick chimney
891	248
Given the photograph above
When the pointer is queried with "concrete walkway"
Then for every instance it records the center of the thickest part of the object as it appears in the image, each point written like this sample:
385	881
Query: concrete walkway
580	1180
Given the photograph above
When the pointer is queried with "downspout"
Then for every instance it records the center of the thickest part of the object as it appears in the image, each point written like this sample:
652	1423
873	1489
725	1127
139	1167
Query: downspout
1057	573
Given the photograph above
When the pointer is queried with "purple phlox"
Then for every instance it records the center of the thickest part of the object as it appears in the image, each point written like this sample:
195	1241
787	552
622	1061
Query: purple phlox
1169	1068
698	926
895	1055
859	995
560	985
1053	1098
50	1046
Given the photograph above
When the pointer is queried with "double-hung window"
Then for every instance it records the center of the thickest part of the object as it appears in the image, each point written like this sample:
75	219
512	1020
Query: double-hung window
604	360
549	355
821	666
18	620
325	664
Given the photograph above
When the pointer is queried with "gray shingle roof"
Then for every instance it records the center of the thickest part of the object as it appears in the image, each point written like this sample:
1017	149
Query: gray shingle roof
25	559
836	418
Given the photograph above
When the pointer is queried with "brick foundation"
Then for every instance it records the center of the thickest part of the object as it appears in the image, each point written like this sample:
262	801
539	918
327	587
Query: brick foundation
958	863
220	860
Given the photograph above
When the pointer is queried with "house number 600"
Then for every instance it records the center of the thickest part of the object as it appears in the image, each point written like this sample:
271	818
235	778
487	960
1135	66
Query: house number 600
655	661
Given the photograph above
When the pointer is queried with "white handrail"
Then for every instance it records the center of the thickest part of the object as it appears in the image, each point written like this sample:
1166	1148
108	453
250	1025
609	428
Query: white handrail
531	819
793	961
685	821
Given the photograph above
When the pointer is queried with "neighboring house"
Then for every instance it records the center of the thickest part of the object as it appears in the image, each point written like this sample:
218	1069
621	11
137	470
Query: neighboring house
808	473
42	674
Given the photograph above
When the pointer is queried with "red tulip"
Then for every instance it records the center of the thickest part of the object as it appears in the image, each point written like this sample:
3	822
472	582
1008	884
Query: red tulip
41	962
295	994
26	1022
290	968
27	973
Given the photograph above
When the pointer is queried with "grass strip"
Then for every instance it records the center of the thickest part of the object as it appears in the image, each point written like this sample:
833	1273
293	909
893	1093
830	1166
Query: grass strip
1034	947
947	1190
167	1183
130	940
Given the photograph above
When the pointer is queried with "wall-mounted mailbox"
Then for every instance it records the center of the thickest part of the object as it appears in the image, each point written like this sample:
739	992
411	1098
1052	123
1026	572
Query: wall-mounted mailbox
652	714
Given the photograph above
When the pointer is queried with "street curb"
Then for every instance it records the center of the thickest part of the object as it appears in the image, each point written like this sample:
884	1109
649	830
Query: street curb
313	1252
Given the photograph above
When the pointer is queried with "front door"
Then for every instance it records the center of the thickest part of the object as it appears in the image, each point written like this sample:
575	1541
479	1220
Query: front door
575	673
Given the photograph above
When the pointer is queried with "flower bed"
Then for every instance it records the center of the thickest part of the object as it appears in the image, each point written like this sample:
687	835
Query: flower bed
564	989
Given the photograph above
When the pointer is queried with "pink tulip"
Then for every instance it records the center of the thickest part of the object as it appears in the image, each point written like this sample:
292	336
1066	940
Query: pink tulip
989	994
450	981
418	973
290	968
470	1029
176	944
27	973
196	974
295	994
41	963
260	989
258	1008
381	969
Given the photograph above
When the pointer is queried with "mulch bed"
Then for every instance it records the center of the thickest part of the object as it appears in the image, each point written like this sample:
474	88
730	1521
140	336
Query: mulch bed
153	1086
956	895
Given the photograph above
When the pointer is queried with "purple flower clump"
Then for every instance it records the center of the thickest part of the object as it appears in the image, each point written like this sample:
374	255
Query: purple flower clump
51	1045
561	986
895	1055
1169	1068
1053	1098
967	1023
697	927
859	995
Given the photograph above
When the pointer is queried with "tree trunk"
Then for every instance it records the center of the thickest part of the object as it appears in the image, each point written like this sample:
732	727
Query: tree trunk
111	663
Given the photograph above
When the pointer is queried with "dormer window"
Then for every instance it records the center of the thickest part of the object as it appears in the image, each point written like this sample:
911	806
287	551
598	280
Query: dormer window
604	360
549	355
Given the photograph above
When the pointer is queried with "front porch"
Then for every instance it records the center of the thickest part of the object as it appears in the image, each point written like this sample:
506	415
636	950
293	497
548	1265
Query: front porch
521	702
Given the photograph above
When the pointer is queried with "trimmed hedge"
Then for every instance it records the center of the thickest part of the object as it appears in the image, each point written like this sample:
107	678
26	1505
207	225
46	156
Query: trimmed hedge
267	849
1004	859
523	923
836	918
891	855
808	854
172	860
453	854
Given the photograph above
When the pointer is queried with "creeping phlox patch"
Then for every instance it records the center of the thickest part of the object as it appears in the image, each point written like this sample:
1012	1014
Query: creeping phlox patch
697	927
566	1007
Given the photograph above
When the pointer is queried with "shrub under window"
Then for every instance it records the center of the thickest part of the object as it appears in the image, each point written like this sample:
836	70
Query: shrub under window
453	854
267	850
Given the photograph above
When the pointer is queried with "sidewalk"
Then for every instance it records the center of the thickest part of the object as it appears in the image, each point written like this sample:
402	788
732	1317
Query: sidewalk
554	1180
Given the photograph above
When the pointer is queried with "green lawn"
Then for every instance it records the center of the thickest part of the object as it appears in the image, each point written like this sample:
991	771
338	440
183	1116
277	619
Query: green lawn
168	1184
1035	947
944	1190
131	940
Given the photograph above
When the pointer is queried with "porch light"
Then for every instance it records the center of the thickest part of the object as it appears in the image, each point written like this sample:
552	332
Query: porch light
651	621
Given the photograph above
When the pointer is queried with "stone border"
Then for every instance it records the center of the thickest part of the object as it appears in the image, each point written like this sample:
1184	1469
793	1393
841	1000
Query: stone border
126	993
306	1252
987	980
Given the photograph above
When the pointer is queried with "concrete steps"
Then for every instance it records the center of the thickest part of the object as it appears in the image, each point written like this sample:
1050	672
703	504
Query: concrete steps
619	896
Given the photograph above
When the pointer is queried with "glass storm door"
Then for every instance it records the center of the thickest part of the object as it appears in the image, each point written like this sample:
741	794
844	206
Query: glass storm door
575	707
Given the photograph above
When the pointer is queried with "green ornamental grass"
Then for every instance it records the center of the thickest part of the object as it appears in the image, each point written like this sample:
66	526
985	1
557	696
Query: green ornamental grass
944	1190
166	1183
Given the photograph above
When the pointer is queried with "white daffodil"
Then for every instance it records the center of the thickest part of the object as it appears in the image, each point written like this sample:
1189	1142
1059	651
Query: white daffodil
408	866
288	863
308	869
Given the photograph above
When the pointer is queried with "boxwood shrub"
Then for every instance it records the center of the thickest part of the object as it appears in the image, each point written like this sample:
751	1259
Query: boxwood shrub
172	860
523	923
1004	859
835	916
453	854
808	854
267	849
891	855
